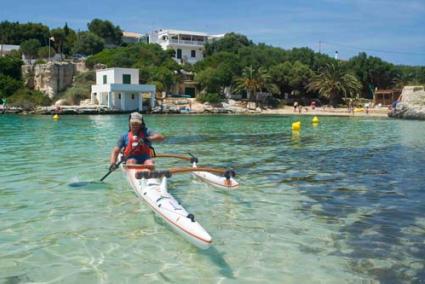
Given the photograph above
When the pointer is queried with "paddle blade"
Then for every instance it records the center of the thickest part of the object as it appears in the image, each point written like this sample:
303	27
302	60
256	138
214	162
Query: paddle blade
92	185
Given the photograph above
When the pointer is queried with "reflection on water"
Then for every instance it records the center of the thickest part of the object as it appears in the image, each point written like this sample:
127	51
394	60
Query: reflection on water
337	202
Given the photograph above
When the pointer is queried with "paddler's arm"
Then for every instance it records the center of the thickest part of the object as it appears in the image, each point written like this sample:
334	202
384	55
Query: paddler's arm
156	137
114	155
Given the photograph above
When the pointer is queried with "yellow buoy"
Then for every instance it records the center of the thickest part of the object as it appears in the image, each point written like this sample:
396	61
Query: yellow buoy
296	125
315	120
55	117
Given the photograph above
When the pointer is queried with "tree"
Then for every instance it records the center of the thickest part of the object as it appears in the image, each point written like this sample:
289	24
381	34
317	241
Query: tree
333	82
88	43
43	52
231	42
9	85
30	47
59	39
254	80
373	72
291	76
16	33
105	29
11	66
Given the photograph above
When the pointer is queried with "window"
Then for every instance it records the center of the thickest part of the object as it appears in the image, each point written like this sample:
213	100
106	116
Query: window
105	81
193	53
132	96
126	79
119	96
179	53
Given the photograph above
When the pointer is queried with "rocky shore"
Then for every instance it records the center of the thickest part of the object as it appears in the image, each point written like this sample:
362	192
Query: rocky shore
231	107
411	104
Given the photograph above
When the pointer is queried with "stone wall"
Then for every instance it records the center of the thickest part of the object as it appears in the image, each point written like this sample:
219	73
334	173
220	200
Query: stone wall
411	104
49	78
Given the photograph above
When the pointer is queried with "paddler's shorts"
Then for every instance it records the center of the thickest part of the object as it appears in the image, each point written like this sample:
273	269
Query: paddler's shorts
140	159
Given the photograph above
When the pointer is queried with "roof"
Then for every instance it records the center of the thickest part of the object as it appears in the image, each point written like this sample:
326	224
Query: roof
9	47
131	34
181	32
117	68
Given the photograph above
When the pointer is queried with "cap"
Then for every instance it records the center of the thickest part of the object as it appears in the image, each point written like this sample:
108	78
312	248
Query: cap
136	117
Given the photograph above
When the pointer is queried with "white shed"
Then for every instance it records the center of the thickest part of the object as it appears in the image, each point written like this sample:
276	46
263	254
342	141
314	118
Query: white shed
119	89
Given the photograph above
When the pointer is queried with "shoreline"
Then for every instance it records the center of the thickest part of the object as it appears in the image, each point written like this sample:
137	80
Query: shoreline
199	110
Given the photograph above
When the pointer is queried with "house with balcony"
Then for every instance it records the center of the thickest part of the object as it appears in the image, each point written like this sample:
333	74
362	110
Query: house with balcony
119	89
188	46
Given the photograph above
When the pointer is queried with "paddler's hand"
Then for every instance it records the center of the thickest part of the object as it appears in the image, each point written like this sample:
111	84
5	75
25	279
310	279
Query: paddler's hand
112	167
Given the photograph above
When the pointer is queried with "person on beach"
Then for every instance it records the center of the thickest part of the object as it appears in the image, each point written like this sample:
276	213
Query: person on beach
136	143
295	106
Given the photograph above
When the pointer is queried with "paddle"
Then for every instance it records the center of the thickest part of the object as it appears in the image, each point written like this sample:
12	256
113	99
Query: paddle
85	183
144	140
113	169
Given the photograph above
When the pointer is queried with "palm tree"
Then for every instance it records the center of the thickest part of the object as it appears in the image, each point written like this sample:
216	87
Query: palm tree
254	80
333	82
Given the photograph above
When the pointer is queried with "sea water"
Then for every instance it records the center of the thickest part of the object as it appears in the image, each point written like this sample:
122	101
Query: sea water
337	202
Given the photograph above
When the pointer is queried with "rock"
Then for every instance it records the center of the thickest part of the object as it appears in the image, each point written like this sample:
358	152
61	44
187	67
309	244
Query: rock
251	106
49	78
85	102
61	102
411	104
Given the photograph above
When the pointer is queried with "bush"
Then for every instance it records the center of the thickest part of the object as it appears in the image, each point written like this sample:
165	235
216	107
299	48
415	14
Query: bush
40	61
81	88
8	85
212	98
28	99
74	95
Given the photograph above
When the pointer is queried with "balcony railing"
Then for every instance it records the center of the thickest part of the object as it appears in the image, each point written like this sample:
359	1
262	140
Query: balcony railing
186	42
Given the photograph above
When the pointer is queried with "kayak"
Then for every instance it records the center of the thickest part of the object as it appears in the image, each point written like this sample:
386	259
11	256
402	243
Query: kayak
154	192
219	181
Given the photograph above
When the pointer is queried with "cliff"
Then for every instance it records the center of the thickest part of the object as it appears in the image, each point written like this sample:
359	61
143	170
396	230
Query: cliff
49	78
411	104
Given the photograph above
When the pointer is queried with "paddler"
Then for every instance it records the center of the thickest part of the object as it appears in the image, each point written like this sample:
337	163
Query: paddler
136	143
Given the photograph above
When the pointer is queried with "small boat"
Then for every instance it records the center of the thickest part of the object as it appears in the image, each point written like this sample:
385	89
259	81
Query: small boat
151	186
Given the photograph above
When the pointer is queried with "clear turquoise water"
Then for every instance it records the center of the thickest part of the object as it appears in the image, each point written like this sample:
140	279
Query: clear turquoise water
341	202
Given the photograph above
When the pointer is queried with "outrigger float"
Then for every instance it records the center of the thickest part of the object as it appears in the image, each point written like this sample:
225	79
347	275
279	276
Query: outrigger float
150	185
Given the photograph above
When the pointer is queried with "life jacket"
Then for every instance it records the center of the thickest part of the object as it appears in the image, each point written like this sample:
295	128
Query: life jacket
134	148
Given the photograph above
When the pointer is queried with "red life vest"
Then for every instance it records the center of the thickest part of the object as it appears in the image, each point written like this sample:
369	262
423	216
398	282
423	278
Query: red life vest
134	148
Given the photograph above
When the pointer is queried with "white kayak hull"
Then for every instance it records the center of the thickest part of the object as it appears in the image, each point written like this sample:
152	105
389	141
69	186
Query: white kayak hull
154	192
215	180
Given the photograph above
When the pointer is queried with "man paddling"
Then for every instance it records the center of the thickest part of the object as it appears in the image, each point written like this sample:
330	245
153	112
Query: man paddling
135	143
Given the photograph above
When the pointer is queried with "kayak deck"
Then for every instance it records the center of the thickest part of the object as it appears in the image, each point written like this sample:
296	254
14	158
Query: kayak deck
154	192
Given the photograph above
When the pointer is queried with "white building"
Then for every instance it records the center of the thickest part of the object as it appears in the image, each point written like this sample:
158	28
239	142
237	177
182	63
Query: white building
119	89
130	37
6	49
188	46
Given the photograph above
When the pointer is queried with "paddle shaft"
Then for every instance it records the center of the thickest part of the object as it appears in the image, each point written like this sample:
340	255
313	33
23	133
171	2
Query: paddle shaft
110	171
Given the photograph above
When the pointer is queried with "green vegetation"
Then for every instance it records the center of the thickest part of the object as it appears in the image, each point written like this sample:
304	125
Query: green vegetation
28	99
237	62
212	98
10	76
30	48
80	89
233	61
106	30
334	83
16	33
253	80
154	63
88	43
